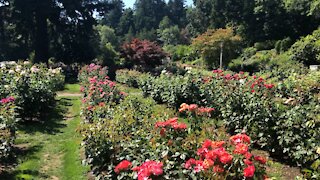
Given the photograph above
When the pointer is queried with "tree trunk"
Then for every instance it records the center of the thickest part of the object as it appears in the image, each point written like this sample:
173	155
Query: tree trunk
41	37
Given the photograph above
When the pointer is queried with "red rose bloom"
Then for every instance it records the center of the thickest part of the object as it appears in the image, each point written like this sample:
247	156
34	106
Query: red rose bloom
248	155
240	138
122	166
149	168
193	107
217	144
218	169
241	149
247	162
226	158
249	171
260	159
163	132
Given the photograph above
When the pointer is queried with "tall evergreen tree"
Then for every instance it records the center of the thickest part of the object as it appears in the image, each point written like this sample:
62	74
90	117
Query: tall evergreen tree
148	14
112	17
177	12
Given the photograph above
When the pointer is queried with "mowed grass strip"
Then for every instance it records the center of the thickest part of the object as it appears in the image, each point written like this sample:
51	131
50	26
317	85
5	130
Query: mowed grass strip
51	150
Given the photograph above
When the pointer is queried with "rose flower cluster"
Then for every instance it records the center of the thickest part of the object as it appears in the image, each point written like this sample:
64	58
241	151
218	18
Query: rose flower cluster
223	157
145	172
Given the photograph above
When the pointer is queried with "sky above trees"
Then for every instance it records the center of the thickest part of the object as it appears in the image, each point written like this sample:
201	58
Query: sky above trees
130	3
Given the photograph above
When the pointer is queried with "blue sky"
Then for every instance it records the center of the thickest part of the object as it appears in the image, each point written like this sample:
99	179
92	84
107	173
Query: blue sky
129	3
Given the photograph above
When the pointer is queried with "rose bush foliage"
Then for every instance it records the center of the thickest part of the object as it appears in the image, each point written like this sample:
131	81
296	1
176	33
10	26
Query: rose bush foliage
7	126
134	138
280	113
33	86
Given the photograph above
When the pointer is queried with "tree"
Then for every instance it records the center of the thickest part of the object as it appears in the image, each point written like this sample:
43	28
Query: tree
148	14
107	35
112	17
177	12
142	53
209	45
62	28
307	49
126	23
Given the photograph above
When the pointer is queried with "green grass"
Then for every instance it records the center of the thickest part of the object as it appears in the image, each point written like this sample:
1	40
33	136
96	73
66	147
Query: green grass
51	150
72	88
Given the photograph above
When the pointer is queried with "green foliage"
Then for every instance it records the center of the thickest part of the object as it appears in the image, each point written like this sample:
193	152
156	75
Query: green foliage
128	77
209	45
33	87
252	60
307	49
272	114
8	128
283	45
182	53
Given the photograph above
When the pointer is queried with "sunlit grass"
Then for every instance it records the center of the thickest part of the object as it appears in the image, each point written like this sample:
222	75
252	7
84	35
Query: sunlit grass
51	150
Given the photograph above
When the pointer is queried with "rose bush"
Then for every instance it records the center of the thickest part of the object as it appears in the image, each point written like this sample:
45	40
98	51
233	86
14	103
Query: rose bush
33	86
7	126
134	138
280	111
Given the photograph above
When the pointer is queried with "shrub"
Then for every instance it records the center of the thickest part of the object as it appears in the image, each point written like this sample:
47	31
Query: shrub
283	45
182	53
137	138
7	126
142	53
272	114
128	77
33	86
307	49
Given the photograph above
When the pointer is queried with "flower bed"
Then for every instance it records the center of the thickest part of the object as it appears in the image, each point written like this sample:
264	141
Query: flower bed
33	86
26	93
7	126
131	137
280	117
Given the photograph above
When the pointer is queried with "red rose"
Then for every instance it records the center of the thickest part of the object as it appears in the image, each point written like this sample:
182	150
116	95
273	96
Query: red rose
122	166
260	159
249	171
241	149
189	163
248	155
247	162
226	158
163	132
240	138
193	107
218	169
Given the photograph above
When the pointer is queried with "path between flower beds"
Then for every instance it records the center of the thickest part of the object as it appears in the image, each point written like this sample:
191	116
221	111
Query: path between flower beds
51	150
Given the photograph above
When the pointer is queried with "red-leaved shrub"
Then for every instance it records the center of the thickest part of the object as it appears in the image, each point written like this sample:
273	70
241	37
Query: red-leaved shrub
142	53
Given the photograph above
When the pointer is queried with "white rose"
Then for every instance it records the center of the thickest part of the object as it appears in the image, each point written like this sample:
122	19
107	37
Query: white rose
26	62
23	73
11	71
2	65
34	69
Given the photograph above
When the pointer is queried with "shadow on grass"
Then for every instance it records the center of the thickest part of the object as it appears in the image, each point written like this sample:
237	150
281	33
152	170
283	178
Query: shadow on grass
22	153
26	155
50	124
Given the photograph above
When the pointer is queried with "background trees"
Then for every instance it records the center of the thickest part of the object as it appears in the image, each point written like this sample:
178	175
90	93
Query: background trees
210	43
65	29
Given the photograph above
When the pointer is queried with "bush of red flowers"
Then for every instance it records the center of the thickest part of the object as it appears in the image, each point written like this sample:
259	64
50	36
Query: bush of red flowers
280	117
227	160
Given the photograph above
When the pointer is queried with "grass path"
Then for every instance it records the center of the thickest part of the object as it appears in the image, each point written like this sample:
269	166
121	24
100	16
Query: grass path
51	150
